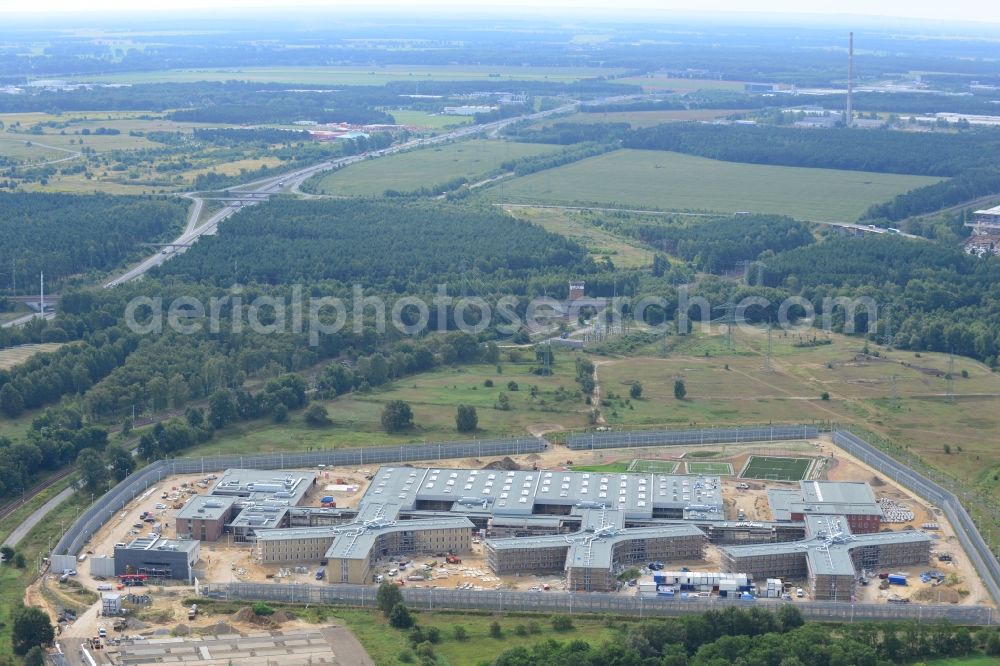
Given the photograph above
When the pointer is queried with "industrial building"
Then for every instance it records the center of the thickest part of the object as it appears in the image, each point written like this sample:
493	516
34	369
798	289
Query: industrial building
831	557
855	501
158	558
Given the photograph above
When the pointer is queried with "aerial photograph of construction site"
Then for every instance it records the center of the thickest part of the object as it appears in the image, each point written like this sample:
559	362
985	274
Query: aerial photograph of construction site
499	334
798	520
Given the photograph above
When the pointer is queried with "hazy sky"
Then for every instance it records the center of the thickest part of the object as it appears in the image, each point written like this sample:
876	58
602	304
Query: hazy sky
971	11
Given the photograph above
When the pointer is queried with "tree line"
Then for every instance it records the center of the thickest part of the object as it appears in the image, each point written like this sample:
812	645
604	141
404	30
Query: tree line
65	234
757	637
886	151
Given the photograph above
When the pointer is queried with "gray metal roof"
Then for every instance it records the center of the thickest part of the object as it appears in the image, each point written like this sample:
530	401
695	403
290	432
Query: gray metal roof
828	548
593	546
259	485
357	542
206	507
157	544
500	492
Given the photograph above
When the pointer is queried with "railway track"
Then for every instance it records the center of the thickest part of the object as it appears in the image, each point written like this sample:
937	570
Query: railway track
7	509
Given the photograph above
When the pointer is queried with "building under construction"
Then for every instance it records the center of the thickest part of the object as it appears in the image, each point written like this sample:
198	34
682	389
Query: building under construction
830	557
593	556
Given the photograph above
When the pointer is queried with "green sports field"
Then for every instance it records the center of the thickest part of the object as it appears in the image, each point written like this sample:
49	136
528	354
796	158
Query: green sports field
672	181
776	469
709	468
652	466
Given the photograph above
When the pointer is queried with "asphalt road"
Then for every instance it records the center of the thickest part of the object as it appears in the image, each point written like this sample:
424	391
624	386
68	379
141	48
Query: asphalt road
36	517
290	182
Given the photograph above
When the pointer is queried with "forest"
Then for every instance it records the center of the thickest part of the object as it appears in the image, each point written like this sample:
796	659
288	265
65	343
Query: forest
371	243
565	133
65	235
716	244
755	637
940	298
966	186
885	151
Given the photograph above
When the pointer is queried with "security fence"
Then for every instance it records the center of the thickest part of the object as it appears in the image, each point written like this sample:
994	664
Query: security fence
503	601
136	484
629	439
972	541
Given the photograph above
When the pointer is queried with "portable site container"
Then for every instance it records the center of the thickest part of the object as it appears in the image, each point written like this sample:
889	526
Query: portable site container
895	579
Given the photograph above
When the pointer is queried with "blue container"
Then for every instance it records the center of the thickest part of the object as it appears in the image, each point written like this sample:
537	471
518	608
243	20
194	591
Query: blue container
327	498
897	580
746	596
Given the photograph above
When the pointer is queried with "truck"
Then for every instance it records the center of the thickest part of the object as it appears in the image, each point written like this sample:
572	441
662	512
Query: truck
320	573
453	559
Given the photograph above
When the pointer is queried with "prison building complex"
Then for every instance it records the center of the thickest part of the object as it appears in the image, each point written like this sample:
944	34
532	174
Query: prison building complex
830	557
855	501
204	517
352	549
158	558
593	556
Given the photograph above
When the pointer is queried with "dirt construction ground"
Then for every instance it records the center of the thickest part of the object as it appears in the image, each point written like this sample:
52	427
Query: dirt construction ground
224	562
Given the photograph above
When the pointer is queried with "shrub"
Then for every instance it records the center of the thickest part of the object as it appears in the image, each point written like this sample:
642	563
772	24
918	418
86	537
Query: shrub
824	396
400	617
495	630
261	609
459	632
521	630
562	623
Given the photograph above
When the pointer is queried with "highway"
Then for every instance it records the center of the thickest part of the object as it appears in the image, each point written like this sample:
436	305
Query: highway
290	182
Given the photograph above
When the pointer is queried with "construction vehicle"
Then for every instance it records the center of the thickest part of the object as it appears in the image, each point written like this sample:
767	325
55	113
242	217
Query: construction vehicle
193	611
453	559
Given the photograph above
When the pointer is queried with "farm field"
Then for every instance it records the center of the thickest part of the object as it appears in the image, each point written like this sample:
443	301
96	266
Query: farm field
672	181
425	167
775	469
360	76
14	356
624	252
709	468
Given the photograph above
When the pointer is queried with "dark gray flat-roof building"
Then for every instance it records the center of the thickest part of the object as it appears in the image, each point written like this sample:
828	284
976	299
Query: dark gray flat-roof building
158	558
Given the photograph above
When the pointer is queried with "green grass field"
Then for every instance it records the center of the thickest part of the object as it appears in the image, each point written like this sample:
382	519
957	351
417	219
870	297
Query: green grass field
610	468
776	469
652	466
425	167
671	181
385	644
14	356
434	397
357	76
434	121
578	226
709	468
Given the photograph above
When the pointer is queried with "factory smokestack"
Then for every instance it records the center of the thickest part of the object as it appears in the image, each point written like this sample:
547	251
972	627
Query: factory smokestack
849	116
